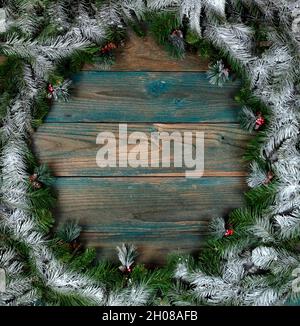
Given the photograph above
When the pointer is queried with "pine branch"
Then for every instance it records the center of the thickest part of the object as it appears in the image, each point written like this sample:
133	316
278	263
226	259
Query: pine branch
126	255
69	232
218	74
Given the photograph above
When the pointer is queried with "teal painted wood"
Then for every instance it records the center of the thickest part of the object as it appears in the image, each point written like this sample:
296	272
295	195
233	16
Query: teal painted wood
153	213
159	214
146	97
70	149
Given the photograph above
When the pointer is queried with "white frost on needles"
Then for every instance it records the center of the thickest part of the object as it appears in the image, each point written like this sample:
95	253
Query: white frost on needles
41	57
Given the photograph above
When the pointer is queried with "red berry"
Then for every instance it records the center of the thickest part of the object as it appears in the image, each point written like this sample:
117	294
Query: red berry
33	177
50	88
260	121
228	232
178	33
108	47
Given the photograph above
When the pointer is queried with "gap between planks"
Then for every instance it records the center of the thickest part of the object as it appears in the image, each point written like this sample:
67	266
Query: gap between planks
207	174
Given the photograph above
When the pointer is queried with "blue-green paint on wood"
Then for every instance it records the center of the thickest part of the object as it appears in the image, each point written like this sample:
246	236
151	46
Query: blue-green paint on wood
155	214
108	200
159	215
147	97
70	149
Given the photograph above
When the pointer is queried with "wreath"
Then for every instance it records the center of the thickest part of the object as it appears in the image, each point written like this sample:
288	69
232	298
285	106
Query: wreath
251	257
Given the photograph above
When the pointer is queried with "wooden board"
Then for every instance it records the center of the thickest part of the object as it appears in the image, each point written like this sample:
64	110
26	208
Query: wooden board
146	97
143	54
159	211
70	148
159	215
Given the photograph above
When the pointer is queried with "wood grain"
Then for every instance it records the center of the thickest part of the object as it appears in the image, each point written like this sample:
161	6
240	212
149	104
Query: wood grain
146	97
157	210
159	215
144	54
70	149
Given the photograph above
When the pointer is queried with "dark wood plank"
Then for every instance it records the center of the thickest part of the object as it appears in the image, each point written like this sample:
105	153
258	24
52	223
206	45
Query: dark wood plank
70	149
146	97
158	215
144	54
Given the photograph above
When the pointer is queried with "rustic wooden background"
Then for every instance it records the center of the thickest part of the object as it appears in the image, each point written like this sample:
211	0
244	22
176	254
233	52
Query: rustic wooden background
158	210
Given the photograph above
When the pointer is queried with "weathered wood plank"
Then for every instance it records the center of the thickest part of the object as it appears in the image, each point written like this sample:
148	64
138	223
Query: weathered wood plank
155	214
70	149
144	54
146	97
